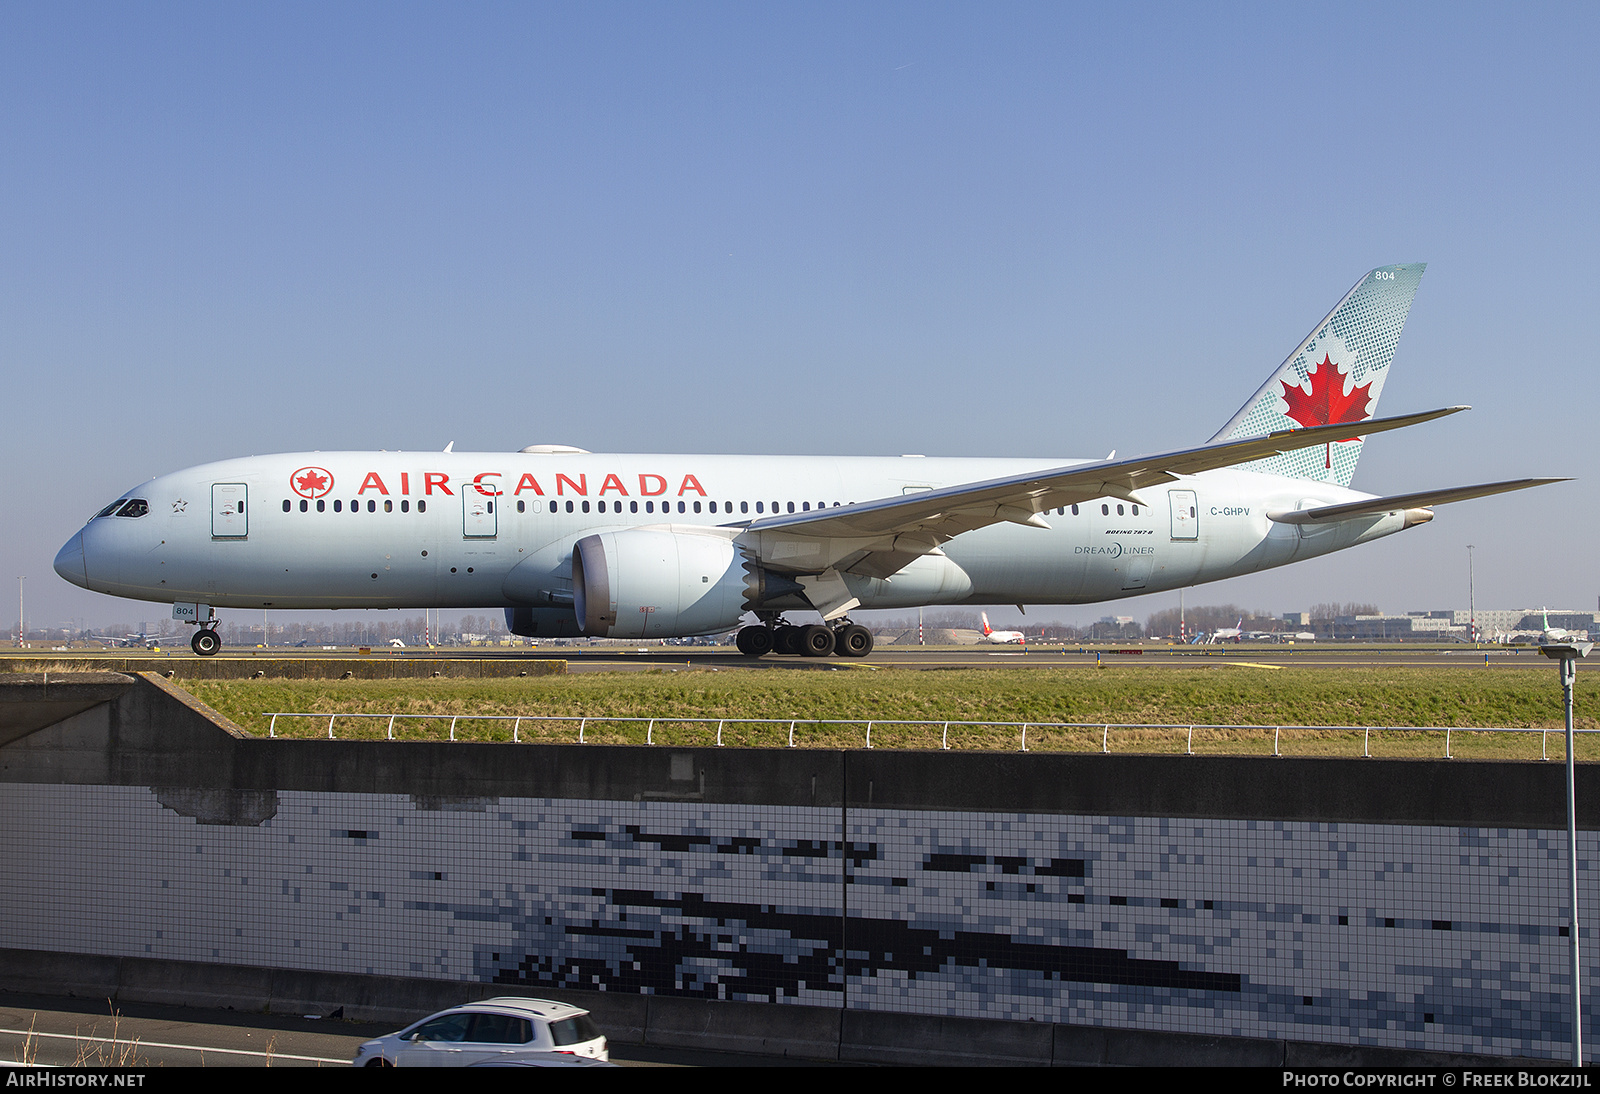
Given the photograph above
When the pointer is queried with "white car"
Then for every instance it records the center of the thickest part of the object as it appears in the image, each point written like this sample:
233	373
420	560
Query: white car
504	1030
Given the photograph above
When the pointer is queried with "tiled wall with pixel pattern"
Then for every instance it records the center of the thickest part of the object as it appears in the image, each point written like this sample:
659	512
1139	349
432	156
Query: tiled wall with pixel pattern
1407	936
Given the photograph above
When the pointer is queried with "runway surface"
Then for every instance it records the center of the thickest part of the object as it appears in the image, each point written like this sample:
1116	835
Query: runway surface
613	657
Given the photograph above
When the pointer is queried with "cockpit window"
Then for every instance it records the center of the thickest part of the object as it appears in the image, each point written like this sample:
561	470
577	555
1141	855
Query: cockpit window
136	507
108	510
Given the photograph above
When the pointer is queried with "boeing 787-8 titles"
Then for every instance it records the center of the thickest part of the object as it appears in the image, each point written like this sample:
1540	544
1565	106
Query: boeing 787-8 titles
570	542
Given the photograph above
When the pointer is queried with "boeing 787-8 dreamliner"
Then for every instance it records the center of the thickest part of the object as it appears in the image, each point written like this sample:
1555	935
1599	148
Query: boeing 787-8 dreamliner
570	542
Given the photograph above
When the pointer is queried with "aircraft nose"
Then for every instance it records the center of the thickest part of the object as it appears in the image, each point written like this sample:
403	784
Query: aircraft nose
69	562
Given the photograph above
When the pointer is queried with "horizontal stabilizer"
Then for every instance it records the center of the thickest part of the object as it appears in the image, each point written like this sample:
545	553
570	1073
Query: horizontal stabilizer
1421	500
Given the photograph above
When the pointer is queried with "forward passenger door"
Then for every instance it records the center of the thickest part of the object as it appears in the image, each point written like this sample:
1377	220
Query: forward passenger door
228	517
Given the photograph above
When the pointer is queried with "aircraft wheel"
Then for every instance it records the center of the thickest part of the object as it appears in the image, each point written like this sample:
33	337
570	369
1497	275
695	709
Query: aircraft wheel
754	641
786	639
205	642
816	641
852	640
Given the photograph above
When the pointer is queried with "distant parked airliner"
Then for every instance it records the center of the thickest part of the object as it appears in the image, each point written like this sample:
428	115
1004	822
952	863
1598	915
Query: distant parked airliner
1001	637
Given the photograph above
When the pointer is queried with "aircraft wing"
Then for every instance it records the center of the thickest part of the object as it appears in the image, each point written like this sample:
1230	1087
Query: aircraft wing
1420	500
879	538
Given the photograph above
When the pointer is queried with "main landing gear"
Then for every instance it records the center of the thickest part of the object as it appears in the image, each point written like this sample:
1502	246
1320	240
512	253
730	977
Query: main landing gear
205	642
817	640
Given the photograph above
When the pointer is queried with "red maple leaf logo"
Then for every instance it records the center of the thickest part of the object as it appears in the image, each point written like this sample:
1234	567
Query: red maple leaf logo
311	482
1327	404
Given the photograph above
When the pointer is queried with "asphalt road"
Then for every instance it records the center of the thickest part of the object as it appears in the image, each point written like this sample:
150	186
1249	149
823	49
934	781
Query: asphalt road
58	1032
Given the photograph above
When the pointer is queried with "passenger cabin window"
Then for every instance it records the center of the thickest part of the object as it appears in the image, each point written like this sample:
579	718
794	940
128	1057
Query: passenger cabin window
388	506
449	1028
285	505
304	505
499	1029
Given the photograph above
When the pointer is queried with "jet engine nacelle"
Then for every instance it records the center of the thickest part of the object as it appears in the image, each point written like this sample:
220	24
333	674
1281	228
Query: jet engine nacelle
542	622
657	583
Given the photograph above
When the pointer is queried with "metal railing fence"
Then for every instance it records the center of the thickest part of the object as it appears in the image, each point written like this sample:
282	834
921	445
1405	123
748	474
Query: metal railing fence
1021	729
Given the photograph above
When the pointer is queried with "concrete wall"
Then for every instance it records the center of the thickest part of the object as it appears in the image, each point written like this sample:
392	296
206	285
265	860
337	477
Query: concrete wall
849	904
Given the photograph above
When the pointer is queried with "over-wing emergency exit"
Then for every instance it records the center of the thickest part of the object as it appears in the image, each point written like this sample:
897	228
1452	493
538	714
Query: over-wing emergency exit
569	542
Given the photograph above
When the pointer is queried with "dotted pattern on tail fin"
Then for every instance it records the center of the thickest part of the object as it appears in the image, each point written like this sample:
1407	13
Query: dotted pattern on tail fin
1351	349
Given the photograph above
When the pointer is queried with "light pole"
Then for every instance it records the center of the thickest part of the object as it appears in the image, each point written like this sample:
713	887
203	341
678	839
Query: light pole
1566	654
22	624
1472	601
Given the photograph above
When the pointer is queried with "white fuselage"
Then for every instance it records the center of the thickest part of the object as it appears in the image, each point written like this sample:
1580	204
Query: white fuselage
478	530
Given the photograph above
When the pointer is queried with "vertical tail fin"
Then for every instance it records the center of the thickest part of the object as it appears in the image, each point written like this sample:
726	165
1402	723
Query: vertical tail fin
987	631
1336	375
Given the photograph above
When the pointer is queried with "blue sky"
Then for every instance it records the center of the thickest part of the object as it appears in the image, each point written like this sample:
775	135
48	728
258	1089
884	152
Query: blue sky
1024	229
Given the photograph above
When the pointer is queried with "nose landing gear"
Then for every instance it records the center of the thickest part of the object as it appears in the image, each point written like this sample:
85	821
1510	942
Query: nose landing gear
205	642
